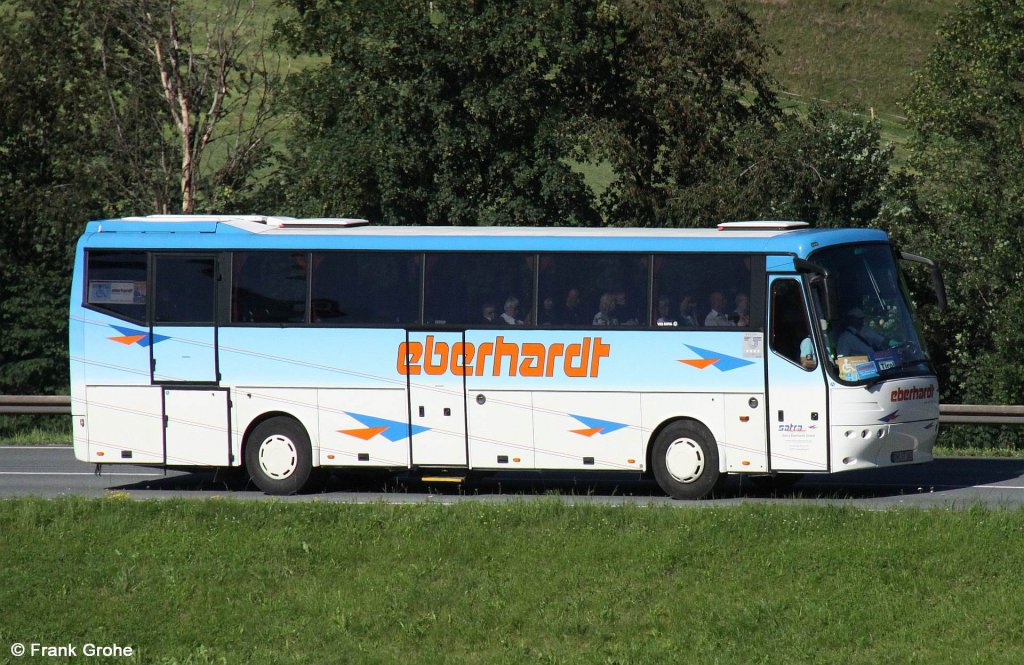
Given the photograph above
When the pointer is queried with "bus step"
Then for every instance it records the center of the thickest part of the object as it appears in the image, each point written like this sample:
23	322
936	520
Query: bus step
442	479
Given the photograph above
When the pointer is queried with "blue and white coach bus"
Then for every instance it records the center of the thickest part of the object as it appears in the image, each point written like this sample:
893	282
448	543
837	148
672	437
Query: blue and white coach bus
287	345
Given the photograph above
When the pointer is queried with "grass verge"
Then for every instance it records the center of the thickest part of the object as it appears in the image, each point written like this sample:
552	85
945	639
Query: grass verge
225	581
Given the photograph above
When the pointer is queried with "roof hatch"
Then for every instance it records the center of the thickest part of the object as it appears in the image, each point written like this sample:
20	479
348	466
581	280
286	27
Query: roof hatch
272	222
762	226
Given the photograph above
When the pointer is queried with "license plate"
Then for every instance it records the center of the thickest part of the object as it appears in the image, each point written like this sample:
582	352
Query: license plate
902	456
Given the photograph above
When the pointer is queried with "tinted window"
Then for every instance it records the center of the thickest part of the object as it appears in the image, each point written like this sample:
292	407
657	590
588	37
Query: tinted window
116	283
184	289
790	331
269	287
366	287
461	287
593	289
702	290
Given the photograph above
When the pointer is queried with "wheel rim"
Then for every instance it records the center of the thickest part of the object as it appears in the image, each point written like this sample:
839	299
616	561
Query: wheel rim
684	460
278	457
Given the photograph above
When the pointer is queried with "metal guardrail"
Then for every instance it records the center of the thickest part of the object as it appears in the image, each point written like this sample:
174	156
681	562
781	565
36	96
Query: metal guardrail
980	414
32	404
949	414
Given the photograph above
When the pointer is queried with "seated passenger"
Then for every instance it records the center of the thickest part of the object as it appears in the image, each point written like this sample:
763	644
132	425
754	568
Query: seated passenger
741	315
687	312
489	314
511	313
573	315
807	359
627	316
717	317
547	312
664	313
606	311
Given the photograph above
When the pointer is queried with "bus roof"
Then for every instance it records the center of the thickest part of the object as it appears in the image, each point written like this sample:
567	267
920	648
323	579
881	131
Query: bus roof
265	232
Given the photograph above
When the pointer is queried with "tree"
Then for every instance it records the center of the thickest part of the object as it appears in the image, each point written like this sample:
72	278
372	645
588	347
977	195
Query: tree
52	177
826	167
477	113
84	135
967	111
211	69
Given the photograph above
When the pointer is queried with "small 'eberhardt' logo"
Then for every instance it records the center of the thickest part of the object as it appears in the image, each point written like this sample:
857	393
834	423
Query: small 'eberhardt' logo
912	393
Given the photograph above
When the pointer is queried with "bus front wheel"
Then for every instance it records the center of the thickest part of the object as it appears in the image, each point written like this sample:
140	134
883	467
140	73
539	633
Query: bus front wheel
685	460
278	456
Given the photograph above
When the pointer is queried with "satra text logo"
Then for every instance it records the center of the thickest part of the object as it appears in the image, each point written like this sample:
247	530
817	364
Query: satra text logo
501	358
796	427
912	393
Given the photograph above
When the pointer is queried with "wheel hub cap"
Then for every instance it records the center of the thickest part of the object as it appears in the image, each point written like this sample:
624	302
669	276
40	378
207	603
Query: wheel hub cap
684	460
278	457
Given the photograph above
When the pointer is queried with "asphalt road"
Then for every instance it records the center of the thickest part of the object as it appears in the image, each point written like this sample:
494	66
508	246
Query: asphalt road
51	471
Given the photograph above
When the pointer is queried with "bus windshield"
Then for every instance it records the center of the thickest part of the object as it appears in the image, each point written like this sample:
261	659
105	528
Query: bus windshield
876	335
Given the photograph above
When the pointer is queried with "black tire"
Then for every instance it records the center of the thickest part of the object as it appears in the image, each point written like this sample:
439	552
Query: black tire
685	460
278	456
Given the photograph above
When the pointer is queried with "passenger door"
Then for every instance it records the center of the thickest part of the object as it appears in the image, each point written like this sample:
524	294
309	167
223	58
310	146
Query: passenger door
437	398
797	397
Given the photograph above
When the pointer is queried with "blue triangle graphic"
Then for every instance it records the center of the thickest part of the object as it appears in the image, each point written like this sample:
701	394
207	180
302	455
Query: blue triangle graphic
145	341
396	429
606	426
725	362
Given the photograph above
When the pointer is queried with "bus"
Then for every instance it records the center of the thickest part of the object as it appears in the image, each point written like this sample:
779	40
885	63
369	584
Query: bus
291	346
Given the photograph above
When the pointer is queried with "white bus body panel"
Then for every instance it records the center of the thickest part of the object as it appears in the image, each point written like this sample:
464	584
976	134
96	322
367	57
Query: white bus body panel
125	420
745	446
588	431
501	427
364	427
197	427
892	422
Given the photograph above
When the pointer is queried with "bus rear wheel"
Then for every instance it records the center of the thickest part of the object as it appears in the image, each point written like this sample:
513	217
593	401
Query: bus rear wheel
685	460
278	456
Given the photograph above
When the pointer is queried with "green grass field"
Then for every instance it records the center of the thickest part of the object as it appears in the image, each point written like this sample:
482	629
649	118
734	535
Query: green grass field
224	581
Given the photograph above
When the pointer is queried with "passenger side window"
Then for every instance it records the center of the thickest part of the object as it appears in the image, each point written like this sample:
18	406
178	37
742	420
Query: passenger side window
365	288
184	289
116	283
269	287
463	288
594	290
704	290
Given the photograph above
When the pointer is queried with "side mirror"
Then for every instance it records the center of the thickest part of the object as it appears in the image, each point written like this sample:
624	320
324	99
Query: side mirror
823	282
938	284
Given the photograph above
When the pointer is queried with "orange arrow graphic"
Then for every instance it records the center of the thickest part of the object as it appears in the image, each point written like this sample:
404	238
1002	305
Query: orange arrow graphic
127	340
587	432
365	434
700	363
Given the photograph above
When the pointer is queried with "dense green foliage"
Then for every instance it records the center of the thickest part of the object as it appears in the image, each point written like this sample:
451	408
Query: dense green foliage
968	113
473	115
500	113
56	171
